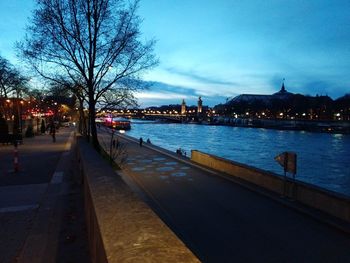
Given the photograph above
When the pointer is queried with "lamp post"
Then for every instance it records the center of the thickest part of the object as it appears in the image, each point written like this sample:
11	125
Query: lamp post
15	111
20	116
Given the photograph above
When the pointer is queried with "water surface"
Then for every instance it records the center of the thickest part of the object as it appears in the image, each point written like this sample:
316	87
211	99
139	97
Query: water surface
323	159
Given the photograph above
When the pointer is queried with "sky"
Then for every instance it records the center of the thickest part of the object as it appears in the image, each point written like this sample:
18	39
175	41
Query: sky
220	49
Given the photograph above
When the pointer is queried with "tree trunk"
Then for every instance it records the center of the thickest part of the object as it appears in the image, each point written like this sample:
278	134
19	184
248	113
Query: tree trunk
82	119
92	123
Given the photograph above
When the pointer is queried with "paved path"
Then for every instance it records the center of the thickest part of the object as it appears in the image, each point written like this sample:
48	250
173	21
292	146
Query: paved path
34	201
224	222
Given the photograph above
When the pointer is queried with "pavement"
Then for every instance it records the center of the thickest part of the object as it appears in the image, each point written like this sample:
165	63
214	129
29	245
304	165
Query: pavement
41	205
221	220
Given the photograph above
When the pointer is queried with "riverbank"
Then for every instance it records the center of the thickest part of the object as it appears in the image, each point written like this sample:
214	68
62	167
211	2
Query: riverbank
334	127
316	126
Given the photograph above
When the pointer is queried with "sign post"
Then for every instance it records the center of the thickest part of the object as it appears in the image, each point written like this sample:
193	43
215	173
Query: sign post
288	160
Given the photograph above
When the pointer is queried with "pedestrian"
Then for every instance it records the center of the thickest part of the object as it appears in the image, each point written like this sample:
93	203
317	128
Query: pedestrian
53	131
141	141
148	141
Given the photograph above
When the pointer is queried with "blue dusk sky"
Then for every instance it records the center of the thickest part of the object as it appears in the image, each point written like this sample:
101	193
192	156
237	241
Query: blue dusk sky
219	49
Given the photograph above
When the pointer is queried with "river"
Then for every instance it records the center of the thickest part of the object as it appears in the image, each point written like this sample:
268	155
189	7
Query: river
323	159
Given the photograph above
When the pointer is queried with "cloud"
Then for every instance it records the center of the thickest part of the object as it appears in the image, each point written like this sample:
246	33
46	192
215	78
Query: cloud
199	77
156	86
161	96
320	87
160	93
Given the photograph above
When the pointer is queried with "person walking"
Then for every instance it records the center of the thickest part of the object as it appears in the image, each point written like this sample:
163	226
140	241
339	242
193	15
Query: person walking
53	131
141	141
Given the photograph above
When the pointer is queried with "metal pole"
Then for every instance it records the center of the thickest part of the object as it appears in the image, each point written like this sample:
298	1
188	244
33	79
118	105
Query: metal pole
294	188
15	158
285	174
110	146
284	183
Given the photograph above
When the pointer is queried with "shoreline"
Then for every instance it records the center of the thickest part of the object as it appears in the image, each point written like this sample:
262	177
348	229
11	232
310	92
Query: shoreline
314	126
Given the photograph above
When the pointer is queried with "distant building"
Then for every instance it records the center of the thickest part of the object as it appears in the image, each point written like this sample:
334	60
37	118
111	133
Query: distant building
282	94
285	105
183	107
200	105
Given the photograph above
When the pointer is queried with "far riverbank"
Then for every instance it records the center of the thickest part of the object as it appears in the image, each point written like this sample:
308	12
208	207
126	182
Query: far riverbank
340	127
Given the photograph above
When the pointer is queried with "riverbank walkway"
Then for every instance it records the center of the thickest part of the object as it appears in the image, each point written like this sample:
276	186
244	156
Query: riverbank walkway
218	219
41	206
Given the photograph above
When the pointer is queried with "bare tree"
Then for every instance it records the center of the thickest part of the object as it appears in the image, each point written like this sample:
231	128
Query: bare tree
12	85
66	86
6	78
12	82
121	98
115	149
93	41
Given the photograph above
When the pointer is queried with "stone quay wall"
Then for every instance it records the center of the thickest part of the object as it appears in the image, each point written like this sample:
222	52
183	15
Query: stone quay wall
326	201
121	227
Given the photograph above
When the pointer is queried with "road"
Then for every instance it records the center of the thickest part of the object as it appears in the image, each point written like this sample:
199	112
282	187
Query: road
37	204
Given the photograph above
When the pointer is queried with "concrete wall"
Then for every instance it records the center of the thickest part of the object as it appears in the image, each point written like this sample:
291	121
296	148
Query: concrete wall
334	204
122	228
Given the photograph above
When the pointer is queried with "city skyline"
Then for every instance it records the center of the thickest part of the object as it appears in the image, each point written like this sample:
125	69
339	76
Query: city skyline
220	50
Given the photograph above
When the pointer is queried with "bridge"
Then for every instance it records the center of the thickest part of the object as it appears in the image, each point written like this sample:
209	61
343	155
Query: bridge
151	115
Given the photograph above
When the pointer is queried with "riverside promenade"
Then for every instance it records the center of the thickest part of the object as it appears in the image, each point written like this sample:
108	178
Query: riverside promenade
41	207
221	220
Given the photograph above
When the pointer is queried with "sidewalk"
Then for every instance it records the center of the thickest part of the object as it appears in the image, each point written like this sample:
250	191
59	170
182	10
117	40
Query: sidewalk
38	203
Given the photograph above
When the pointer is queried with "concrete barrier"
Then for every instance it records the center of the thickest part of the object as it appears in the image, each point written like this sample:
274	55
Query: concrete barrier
122	228
327	201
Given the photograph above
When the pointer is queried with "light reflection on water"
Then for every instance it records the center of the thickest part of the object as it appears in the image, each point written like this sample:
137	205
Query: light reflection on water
322	158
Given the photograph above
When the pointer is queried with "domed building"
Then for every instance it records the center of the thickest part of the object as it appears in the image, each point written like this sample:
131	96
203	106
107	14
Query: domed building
282	94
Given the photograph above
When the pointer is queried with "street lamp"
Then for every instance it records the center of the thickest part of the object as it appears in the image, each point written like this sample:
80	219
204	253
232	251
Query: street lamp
20	115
